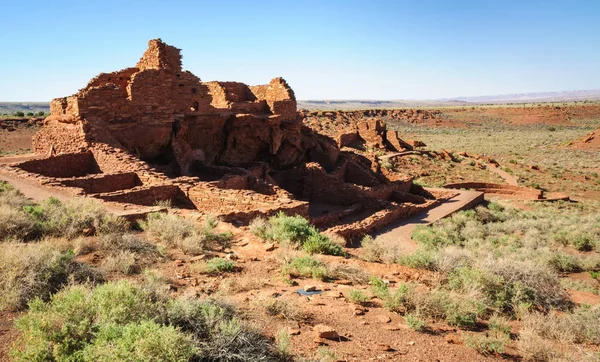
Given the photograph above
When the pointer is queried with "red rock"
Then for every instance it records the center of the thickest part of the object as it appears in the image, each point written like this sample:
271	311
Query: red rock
325	331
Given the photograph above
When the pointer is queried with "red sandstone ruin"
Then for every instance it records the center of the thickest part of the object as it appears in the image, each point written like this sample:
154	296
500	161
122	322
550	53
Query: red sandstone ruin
156	132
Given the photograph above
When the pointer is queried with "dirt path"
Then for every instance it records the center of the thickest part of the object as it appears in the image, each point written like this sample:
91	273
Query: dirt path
510	179
402	230
37	192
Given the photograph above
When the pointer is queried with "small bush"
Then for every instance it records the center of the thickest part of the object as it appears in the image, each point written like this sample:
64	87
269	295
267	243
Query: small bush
485	345
143	341
564	263
420	259
36	271
306	267
74	218
219	265
297	231
357	296
414	322
393	300
354	274
285	309
119	321
176	231
122	261
380	249
318	243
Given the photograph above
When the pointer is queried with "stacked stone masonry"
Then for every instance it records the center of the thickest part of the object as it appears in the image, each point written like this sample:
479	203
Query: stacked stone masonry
156	132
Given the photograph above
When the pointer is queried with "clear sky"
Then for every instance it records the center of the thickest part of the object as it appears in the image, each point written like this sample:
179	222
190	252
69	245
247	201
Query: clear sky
325	49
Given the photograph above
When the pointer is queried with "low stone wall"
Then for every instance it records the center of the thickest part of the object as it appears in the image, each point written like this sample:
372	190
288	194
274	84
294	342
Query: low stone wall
243	205
498	189
356	230
63	166
104	183
146	196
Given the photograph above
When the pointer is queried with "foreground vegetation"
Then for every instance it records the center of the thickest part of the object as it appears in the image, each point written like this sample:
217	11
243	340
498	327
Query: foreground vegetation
499	262
72	314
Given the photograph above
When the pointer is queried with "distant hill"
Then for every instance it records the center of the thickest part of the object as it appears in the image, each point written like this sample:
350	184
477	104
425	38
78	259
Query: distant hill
344	104
25	107
565	96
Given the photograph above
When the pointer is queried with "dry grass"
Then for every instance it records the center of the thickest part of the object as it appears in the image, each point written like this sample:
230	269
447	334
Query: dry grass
36	270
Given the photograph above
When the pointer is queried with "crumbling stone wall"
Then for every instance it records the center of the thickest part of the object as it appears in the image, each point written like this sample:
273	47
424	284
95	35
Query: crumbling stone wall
149	110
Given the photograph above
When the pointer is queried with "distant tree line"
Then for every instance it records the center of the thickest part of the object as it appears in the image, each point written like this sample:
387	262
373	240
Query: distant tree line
28	114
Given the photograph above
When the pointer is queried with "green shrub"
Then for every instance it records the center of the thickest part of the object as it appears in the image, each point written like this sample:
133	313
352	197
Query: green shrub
305	267
219	265
583	242
420	259
357	296
485	344
184	233
118	321
73	218
564	263
394	300
143	341
297	231
414	322
318	243
508	284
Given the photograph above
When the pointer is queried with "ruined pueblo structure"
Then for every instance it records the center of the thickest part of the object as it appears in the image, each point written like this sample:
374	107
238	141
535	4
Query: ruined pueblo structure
155	132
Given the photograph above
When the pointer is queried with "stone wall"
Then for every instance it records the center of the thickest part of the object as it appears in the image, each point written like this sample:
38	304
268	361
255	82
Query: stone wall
61	166
149	110
104	183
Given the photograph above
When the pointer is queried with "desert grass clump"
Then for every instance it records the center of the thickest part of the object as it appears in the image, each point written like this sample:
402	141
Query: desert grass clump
296	231
414	322
358	296
127	252
285	309
564	263
395	300
380	249
123	262
36	270
73	218
306	267
176	231
507	285
352	273
219	266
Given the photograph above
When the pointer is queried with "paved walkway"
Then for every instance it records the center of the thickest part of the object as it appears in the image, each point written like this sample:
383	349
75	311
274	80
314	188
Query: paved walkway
402	230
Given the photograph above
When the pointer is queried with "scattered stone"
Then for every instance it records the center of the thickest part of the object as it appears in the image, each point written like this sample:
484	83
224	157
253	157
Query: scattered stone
270	247
294	331
384	318
357	309
411	343
325	331
310	288
344	282
384	347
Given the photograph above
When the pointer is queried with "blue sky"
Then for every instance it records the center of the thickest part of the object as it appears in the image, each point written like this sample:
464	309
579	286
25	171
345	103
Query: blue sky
336	49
